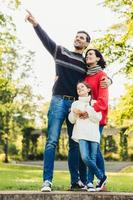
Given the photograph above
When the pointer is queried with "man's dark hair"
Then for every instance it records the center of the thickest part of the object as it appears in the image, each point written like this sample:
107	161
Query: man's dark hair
88	38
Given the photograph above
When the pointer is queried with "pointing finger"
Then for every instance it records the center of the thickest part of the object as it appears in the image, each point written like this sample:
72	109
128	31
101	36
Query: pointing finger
28	12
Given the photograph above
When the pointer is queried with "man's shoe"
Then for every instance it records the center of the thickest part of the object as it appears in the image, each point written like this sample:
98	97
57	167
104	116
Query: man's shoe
46	187
79	186
90	187
101	183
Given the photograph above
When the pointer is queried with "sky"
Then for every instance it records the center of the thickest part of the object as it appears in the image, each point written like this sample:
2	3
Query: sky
61	19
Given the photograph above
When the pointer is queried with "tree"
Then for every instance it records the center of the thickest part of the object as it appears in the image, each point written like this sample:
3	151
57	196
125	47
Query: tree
116	42
123	144
18	107
11	4
121	115
117	46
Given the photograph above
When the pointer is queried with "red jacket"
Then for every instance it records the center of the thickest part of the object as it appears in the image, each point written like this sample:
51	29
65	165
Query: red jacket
99	94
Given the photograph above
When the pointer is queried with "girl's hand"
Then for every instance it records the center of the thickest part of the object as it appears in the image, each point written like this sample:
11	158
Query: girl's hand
77	111
83	115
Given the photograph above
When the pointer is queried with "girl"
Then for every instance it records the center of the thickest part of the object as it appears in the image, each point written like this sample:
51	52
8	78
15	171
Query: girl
86	131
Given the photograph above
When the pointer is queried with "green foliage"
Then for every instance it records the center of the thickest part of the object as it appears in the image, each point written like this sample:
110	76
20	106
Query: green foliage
123	144
116	44
121	6
110	144
128	169
117	47
13	149
26	142
30	143
122	114
12	4
18	107
124	8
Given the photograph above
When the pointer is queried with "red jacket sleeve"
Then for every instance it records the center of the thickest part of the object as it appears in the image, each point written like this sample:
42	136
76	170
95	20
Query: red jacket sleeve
102	100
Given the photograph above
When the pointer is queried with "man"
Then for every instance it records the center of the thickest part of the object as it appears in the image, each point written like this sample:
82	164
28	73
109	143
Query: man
70	68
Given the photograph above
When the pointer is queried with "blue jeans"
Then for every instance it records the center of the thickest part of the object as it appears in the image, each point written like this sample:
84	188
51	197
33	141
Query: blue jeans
57	114
99	160
88	150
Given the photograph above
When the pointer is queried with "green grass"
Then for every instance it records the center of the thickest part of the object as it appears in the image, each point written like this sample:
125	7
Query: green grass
14	177
128	169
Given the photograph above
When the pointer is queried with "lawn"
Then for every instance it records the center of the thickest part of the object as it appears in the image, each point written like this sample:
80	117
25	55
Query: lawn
14	177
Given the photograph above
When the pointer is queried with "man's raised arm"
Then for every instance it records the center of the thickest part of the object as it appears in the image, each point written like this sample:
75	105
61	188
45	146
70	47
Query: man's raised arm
49	44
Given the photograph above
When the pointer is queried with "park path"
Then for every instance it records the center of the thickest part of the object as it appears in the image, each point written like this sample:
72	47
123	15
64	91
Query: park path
111	166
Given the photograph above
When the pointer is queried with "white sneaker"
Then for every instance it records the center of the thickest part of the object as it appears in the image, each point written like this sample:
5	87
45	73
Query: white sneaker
46	187
90	187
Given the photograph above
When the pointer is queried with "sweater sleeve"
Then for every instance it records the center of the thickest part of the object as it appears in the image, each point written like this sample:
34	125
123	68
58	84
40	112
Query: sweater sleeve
102	100
48	43
72	116
93	115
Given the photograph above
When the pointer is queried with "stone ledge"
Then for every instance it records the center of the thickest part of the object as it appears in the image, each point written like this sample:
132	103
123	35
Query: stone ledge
59	195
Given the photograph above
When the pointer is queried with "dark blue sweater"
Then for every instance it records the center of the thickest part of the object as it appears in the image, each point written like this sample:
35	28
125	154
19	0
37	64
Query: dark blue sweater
70	67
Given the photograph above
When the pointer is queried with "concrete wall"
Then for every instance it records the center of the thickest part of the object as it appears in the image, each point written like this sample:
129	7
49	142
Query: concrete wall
30	195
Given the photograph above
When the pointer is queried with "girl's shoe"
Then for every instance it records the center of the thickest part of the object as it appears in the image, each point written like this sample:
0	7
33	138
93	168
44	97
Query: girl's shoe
101	183
90	187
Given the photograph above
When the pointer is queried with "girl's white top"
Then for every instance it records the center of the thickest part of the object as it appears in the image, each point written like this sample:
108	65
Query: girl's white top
87	129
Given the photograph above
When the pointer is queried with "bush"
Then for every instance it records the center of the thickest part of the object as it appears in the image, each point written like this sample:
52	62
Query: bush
60	157
12	149
111	156
131	157
39	156
2	157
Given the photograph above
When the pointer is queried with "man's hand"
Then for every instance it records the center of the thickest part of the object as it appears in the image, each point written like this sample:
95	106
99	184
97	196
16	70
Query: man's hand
83	115
31	19
105	82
